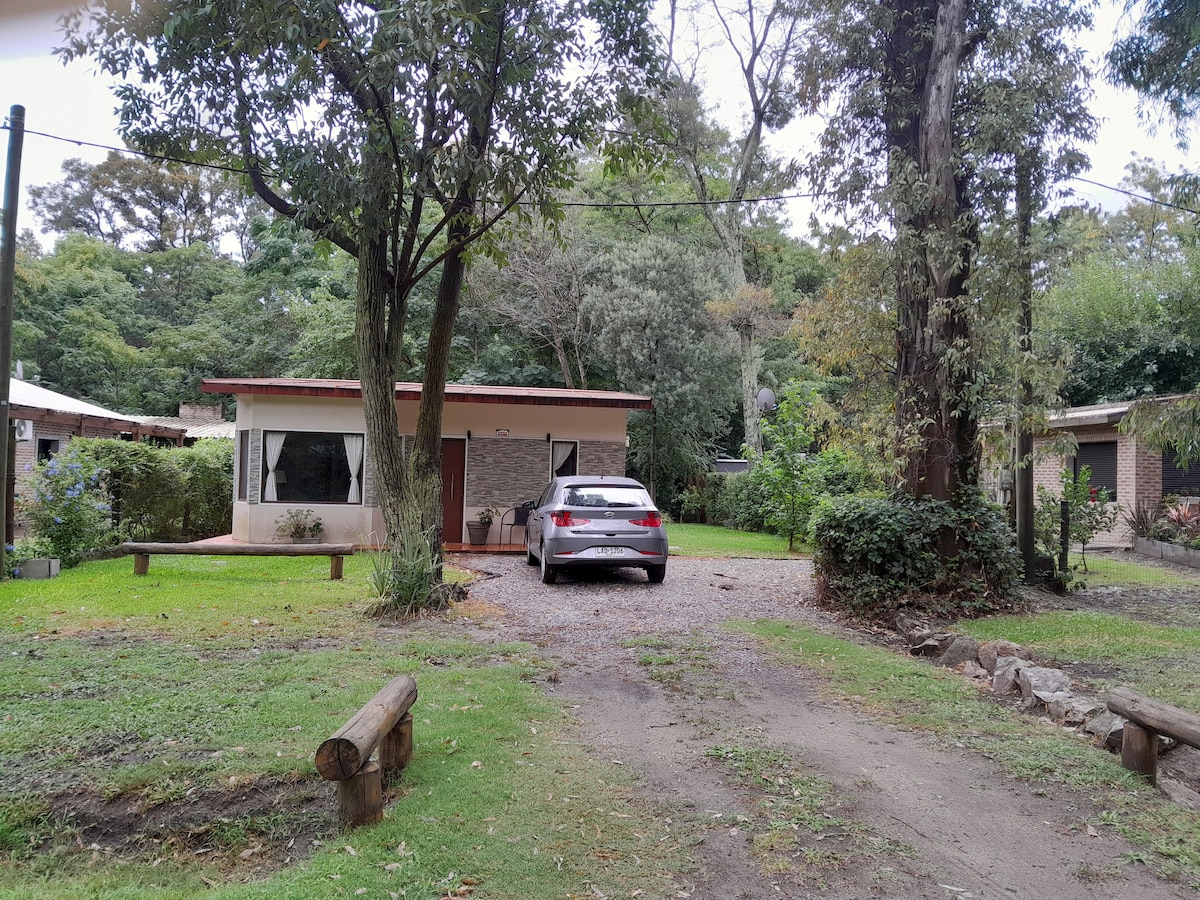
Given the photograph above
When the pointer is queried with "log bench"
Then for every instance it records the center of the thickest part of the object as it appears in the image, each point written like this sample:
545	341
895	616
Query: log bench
1146	719
142	551
384	722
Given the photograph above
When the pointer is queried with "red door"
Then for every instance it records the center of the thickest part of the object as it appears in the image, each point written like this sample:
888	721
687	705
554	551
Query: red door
454	470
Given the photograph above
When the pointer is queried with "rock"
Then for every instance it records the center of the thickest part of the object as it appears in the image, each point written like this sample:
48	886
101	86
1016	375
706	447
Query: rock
1035	680
1108	729
993	650
960	650
1071	709
1004	678
972	669
1179	793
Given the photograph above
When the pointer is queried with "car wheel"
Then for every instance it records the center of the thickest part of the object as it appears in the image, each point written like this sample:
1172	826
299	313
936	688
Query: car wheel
549	572
656	574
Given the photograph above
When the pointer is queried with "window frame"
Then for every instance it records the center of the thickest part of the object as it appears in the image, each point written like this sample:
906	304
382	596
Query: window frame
265	469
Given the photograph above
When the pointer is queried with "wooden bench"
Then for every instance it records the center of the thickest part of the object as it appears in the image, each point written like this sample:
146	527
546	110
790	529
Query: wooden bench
142	552
1146	719
385	722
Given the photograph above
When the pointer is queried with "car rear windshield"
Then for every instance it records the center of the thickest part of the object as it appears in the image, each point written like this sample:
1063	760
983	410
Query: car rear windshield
605	496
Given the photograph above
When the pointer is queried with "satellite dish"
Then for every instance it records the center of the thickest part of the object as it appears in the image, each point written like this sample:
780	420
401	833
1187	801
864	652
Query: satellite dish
766	399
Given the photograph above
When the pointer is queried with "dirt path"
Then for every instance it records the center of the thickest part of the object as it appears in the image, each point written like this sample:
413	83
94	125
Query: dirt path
923	822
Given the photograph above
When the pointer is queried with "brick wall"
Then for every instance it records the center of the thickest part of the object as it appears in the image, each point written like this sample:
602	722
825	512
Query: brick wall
1139	477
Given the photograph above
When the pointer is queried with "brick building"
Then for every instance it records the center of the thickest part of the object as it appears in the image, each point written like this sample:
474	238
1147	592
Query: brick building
1133	473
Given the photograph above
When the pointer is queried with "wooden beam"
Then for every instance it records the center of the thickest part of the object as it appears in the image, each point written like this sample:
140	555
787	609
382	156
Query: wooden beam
348	750
1156	716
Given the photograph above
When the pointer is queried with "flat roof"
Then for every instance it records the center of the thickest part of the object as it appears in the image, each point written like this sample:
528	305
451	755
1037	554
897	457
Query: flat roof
411	391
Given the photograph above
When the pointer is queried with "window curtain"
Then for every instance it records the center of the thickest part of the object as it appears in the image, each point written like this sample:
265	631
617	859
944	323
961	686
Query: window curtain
354	455
560	453
272	446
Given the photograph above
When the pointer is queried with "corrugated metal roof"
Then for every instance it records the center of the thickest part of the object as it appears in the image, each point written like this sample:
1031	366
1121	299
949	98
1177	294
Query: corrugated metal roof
455	393
193	428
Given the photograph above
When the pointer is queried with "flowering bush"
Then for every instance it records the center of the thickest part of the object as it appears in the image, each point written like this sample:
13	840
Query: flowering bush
70	512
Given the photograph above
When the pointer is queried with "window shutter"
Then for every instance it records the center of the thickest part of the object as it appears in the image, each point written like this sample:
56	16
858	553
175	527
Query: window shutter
1101	457
1181	482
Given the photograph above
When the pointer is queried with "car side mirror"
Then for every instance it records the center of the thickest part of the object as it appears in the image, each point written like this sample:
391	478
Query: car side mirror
529	504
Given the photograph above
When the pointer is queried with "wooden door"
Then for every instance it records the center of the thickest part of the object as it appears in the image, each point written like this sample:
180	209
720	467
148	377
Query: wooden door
454	471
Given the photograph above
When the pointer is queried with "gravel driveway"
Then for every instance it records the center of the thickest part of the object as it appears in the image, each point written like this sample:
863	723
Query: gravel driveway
951	823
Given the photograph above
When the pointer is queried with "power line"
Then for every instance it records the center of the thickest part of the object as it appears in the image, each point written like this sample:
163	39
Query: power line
616	204
1136	196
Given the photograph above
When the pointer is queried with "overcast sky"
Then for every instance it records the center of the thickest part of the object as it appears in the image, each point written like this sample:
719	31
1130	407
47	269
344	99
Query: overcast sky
74	103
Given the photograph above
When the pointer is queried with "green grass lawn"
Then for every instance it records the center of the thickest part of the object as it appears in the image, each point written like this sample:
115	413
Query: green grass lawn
715	541
157	738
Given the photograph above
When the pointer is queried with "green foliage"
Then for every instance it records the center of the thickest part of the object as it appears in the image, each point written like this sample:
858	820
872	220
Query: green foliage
1088	508
648	312
164	493
298	524
406	580
70	508
873	555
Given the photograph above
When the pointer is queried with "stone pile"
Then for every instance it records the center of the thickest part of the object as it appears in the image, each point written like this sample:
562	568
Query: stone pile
1045	691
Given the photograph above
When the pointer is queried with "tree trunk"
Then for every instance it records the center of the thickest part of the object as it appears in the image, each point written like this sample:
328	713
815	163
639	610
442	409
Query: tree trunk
1023	492
935	367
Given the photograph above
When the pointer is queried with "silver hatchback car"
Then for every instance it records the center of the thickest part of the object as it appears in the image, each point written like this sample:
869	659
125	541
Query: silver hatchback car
596	521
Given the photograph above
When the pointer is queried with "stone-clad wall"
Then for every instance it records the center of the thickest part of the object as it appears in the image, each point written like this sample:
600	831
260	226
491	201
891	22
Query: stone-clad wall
508	471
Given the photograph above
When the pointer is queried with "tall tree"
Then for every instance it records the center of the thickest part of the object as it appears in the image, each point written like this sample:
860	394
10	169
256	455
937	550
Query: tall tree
400	131
1159	57
768	40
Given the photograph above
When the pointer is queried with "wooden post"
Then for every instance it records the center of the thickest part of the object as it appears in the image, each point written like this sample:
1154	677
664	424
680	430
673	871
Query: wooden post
395	750
342	755
1139	751
360	797
335	567
141	563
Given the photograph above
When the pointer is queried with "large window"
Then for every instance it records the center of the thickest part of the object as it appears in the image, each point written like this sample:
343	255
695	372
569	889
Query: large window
1101	457
312	467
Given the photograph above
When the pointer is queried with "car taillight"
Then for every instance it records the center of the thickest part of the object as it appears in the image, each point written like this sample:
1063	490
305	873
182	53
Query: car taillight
562	518
652	520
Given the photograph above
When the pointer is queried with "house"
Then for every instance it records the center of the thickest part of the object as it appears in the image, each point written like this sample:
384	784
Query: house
302	443
1131	472
44	421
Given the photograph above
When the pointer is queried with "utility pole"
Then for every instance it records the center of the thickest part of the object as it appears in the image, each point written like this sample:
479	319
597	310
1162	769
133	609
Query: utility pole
8	265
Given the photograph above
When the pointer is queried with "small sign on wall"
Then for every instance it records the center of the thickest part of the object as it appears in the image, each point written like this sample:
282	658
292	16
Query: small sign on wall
501	432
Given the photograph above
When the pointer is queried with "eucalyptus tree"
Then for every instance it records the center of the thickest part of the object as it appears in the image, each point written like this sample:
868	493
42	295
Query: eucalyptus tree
1026	94
1159	56
933	101
138	203
400	131
767	41
648	309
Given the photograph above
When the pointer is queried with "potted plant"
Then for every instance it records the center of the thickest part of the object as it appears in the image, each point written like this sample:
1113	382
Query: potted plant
299	526
479	527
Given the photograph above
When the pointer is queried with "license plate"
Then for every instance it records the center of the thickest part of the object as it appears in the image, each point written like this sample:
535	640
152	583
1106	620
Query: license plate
610	551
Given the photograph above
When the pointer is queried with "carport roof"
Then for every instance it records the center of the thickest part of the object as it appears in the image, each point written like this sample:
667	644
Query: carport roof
455	393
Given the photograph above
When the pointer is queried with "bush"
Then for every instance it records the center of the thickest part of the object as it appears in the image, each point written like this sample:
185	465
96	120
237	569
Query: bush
874	555
154	493
70	514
